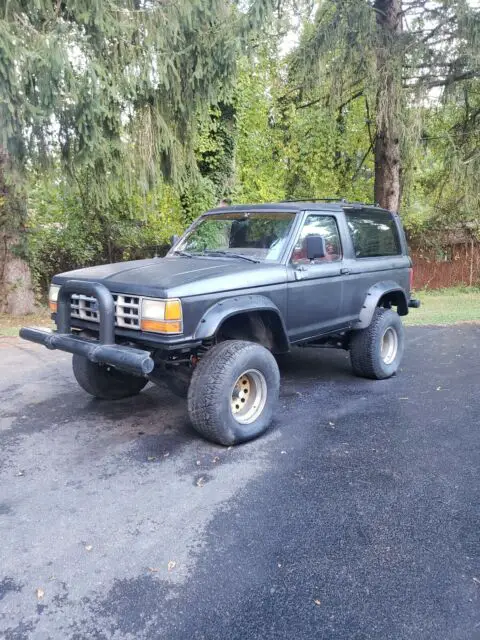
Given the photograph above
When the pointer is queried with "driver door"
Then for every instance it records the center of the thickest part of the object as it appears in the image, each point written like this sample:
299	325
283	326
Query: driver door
315	288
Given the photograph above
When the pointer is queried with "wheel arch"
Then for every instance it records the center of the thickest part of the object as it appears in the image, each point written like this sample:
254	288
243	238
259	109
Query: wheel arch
251	317
383	294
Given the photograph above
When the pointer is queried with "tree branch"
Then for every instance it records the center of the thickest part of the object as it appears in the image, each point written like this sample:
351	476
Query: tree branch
369	122
311	103
354	177
436	29
356	95
455	77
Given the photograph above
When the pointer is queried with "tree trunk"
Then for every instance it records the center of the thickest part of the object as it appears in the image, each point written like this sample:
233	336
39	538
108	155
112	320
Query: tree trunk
389	69
16	292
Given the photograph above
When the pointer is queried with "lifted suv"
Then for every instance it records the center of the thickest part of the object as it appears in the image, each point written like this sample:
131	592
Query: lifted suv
243	284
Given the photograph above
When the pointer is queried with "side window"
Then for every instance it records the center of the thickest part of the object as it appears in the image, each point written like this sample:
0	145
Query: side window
318	225
374	233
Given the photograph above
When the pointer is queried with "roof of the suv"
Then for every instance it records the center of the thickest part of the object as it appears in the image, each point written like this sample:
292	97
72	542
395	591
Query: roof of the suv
291	206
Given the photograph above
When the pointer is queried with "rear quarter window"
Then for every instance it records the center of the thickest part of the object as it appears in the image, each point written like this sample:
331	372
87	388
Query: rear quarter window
374	233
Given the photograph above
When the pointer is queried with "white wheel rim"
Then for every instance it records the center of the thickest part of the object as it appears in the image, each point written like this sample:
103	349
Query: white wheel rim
248	397
389	346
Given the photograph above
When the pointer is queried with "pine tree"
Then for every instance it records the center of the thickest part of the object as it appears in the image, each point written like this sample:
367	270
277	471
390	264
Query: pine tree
391	54
111	86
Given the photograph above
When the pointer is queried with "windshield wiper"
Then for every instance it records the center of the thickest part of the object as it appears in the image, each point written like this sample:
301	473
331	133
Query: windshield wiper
185	254
228	254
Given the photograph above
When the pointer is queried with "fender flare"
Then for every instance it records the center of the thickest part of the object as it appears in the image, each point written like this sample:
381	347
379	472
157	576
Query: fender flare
221	311
374	294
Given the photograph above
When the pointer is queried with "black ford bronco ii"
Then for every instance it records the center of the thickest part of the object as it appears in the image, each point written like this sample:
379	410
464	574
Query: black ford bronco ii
243	284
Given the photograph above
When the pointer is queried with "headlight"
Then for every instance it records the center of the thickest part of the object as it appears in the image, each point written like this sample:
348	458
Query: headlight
53	297
161	316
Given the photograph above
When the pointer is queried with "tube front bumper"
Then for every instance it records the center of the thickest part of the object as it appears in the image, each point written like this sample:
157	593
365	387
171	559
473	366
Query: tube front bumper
128	359
101	351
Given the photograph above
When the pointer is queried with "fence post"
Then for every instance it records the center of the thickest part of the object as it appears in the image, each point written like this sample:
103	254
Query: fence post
471	263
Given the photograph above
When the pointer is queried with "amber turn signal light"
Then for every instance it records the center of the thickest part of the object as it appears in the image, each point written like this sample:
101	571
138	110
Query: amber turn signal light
173	310
162	326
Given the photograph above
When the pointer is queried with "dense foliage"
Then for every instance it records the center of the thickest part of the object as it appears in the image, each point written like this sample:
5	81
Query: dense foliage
112	94
123	120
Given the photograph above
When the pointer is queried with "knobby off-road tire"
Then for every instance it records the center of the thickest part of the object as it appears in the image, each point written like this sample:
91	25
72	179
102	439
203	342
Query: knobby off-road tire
105	382
376	352
233	392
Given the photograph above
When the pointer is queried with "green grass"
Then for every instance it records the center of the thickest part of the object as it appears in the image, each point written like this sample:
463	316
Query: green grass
10	325
446	306
443	306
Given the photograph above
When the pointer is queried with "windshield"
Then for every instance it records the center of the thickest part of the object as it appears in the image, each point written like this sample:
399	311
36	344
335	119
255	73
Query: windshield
259	236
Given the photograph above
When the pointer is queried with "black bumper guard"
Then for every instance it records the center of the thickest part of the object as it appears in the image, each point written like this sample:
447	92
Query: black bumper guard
104	350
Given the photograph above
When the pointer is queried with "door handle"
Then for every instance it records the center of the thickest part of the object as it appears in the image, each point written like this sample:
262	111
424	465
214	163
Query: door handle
299	272
344	271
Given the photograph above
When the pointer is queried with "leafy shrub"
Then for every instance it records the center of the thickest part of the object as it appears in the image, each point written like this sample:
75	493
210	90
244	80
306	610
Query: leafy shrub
67	229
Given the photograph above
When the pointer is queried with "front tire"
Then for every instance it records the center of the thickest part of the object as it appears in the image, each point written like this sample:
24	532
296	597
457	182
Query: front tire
104	381
376	352
233	392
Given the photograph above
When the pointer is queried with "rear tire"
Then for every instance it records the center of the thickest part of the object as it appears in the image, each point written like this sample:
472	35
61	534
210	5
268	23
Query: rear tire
104	381
233	392
376	352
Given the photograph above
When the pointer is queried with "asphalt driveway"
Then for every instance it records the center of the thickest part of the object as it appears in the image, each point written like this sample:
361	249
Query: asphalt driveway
356	517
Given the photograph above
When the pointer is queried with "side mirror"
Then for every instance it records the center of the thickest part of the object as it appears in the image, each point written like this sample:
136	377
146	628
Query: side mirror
174	239
315	247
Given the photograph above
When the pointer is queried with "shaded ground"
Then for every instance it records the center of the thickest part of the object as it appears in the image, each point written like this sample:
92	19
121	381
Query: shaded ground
356	517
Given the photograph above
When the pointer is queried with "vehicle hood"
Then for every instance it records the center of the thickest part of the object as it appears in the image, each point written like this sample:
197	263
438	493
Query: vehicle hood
179	276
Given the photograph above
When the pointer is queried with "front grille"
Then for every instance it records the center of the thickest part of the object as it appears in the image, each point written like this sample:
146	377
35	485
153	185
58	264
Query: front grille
127	310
